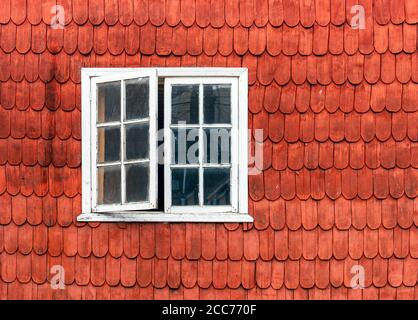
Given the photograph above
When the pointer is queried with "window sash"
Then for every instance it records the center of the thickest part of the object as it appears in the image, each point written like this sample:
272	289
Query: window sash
153	172
234	126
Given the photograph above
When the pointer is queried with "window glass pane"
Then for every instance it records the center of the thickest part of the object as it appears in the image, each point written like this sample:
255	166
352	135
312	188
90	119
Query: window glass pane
108	102
137	98
218	145
108	148
217	103
216	186
137	141
185	187
185	104
109	185
185	146
137	182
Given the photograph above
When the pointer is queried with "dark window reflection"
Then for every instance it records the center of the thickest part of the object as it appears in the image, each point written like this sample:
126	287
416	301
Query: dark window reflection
217	103
185	146
137	141
185	104
185	187
108	102
108	144
137	98
218	146
216	186
109	185
137	182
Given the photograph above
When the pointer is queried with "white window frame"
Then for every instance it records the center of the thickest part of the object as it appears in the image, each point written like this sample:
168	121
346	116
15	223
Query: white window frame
169	82
239	210
153	128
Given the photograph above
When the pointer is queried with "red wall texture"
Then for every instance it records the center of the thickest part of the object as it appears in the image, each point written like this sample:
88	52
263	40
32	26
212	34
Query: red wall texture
339	180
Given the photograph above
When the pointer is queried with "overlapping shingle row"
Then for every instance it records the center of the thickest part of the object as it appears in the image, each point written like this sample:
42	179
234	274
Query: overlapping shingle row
285	98
388	226
205	13
275	257
163	40
337	185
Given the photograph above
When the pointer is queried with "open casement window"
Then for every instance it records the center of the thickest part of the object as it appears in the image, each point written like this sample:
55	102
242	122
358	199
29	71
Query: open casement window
124	152
165	145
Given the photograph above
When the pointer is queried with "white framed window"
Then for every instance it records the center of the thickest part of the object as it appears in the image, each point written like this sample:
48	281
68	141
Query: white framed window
165	145
123	144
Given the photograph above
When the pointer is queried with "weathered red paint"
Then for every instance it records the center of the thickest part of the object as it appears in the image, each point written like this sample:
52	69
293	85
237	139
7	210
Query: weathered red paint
338	185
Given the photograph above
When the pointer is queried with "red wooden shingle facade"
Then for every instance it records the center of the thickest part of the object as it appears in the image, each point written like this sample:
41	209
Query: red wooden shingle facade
339	179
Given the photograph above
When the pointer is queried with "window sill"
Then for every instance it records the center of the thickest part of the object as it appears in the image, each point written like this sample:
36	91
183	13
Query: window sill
163	217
